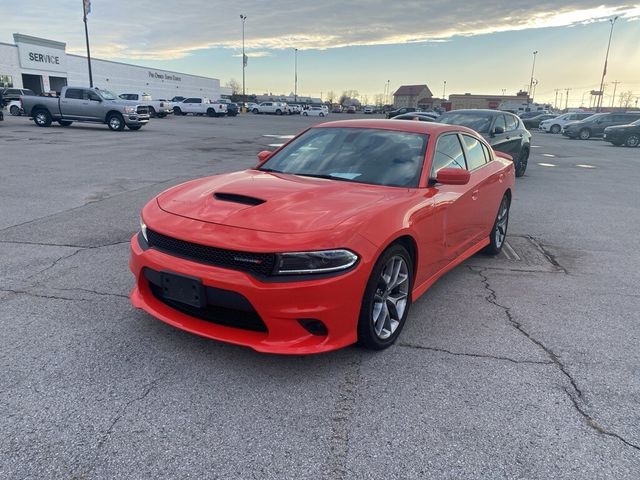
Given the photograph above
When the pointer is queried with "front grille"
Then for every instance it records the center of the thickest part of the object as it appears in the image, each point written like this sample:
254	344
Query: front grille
143	110
246	318
256	263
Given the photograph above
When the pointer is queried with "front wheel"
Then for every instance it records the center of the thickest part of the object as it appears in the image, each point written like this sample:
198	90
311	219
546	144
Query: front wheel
555	129
42	118
14	110
115	122
152	112
305	114
211	112
585	134
256	111
321	114
521	163
632	140
499	230
387	299
278	112
177	111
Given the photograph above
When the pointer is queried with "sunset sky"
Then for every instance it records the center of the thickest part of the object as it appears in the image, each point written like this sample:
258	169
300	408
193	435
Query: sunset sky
476	47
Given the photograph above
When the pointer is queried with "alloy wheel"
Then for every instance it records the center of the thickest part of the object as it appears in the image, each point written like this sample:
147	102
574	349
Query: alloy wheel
41	118
633	140
501	223
390	298
114	123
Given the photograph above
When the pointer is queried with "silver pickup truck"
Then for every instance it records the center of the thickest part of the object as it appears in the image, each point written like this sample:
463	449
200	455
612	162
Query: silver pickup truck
77	104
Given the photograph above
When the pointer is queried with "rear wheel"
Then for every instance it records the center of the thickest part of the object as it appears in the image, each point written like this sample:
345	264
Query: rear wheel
177	111
278	112
321	114
211	112
65	123
521	162
632	140
152	112
585	134
499	231
305	114
387	299
256	111
555	129
115	122
14	110
42	118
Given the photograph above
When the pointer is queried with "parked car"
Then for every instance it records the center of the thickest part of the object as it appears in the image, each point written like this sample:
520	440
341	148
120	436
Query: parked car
531	114
400	111
628	135
368	110
336	109
15	108
79	104
1	106
414	116
351	109
363	215
504	131
315	112
157	108
534	122
10	94
251	106
593	126
232	109
555	125
200	106
277	108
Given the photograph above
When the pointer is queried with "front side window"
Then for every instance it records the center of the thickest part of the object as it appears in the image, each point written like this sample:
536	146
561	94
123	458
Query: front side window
89	95
448	154
363	155
475	154
74	94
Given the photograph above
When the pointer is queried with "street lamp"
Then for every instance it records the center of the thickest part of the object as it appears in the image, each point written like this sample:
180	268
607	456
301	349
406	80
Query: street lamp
444	89
532	69
606	59
244	59
295	86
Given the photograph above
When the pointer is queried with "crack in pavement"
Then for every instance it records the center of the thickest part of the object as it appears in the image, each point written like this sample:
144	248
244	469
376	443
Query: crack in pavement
474	355
37	295
576	394
87	290
548	255
55	262
82	247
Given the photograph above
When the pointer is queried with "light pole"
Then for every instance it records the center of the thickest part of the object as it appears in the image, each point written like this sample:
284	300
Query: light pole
444	90
295	85
606	59
532	70
386	98
244	60
566	100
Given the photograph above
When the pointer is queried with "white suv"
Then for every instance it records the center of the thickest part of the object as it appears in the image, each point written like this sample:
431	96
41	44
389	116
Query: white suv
200	106
271	107
555	125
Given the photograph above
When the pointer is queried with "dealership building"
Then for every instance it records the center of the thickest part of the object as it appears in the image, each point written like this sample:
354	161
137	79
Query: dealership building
44	65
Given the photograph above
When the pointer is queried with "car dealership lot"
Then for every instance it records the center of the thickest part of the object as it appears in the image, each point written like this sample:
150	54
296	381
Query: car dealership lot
525	365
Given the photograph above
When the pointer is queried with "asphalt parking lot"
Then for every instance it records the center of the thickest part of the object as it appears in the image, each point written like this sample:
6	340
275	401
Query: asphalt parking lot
522	366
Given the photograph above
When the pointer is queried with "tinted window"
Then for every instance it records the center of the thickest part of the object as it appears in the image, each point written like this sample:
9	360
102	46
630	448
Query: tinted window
448	154
500	123
475	154
74	93
12	91
512	123
26	91
479	121
631	117
89	95
191	100
364	155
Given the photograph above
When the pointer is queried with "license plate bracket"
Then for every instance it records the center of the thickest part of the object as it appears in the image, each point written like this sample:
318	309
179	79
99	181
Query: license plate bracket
183	289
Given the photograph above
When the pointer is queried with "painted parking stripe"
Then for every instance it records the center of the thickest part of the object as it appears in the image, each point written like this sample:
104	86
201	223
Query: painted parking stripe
535	146
548	155
546	164
584	166
510	253
276	144
284	137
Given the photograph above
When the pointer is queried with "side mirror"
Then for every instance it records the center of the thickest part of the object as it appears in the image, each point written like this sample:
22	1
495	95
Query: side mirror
498	130
453	176
263	156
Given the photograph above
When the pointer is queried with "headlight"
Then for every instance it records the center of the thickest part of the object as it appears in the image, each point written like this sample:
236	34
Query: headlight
143	229
322	261
129	109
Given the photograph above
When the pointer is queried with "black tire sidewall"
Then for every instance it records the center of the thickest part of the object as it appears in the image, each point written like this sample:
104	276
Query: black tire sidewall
122	124
522	162
492	248
366	335
626	142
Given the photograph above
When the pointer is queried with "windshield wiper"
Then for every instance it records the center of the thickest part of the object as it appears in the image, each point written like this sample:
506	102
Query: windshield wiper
324	175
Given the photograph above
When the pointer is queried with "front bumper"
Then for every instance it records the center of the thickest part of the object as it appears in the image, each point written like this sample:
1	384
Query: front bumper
334	300
614	137
135	119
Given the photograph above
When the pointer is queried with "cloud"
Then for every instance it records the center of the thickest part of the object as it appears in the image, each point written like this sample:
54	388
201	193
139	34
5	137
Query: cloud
176	30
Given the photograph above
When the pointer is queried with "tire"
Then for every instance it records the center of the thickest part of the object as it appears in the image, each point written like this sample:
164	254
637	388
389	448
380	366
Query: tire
177	111
321	114
152	112
115	122
555	129
65	123
278	112
256	111
211	112
162	115
499	231
585	134
134	127
14	110
632	140
305	114
522	162
381	319
42	118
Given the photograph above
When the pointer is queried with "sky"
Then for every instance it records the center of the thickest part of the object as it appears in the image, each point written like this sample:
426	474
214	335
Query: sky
481	47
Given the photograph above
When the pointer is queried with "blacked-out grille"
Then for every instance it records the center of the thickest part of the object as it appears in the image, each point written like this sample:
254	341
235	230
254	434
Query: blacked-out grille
143	110
257	263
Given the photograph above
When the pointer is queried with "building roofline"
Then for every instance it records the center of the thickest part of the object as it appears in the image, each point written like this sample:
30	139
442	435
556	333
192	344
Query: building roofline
43	42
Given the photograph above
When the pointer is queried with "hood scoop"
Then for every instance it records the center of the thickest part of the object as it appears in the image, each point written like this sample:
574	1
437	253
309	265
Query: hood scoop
237	198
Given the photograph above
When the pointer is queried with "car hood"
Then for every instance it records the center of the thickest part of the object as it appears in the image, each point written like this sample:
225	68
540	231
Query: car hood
273	202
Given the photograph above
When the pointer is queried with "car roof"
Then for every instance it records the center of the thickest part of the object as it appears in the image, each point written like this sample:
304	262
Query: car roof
477	110
411	126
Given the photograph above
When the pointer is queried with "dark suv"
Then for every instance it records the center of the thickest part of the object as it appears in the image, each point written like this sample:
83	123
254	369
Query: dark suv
10	94
400	111
594	125
504	132
628	135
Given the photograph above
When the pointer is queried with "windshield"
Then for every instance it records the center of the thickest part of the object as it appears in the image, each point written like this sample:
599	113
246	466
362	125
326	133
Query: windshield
480	122
363	155
107	95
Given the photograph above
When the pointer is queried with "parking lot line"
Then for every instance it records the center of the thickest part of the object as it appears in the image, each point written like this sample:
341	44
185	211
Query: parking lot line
584	166
546	164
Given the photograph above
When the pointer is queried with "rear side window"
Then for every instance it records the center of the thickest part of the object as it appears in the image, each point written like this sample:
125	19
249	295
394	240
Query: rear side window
73	93
448	154
475	154
190	100
28	92
512	123
487	153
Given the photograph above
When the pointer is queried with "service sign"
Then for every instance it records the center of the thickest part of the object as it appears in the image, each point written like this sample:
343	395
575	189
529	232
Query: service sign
37	57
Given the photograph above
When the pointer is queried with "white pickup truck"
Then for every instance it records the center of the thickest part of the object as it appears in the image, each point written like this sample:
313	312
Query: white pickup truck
157	108
200	106
278	108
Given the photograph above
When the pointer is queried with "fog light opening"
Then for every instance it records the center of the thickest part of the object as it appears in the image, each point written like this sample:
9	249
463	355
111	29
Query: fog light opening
314	326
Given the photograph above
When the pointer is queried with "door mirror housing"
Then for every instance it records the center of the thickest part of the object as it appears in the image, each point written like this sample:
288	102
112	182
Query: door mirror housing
498	130
263	156
453	176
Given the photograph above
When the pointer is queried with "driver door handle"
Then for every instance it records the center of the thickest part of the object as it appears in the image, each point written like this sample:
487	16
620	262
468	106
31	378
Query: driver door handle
474	194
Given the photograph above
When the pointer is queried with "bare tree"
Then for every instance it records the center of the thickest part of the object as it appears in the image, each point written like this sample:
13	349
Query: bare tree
379	100
351	93
626	99
234	85
365	100
331	96
343	98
